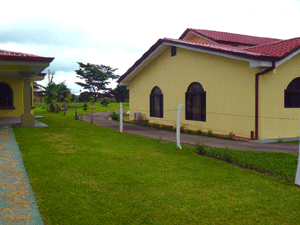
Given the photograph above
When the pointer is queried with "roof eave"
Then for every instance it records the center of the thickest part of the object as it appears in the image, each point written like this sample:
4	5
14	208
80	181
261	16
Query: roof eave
26	58
151	54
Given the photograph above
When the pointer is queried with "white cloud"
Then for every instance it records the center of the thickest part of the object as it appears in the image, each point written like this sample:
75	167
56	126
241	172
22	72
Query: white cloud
117	33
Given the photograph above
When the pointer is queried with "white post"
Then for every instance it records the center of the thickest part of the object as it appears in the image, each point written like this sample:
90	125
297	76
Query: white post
92	102
297	179
121	118
180	106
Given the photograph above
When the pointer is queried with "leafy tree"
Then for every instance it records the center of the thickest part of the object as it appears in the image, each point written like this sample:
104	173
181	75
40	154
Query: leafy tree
121	93
54	91
96	77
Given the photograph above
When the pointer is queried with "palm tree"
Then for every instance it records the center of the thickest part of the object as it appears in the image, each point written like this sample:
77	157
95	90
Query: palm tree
54	91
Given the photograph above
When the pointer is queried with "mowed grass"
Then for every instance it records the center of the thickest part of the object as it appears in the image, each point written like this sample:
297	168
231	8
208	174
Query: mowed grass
85	174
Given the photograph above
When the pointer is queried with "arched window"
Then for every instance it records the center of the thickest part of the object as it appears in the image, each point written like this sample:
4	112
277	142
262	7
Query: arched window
292	94
195	102
6	95
156	103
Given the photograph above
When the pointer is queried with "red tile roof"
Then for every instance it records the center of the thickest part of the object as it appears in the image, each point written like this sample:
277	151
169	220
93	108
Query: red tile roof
9	55
278	49
268	49
238	50
230	38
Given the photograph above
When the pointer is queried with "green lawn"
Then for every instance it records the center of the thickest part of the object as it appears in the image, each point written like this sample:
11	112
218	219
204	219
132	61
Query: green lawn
97	107
85	174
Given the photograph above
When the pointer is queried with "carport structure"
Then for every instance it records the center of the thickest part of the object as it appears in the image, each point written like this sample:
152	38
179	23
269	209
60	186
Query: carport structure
17	73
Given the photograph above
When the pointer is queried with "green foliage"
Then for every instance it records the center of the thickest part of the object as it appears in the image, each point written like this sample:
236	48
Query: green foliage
92	99
282	165
104	102
68	99
143	121
210	133
121	93
96	77
114	116
200	148
53	92
85	106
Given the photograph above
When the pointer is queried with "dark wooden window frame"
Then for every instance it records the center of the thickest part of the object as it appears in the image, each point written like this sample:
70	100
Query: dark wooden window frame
156	103
292	94
195	102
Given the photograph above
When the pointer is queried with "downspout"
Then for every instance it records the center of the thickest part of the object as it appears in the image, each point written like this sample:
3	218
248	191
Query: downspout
256	95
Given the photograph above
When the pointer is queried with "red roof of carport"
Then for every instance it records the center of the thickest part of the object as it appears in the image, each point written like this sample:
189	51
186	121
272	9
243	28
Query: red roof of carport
18	56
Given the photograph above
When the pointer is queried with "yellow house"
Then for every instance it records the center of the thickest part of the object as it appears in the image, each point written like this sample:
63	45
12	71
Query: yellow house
227	83
17	73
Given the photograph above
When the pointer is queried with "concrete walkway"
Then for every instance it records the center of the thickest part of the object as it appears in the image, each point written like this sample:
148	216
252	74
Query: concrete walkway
102	119
17	202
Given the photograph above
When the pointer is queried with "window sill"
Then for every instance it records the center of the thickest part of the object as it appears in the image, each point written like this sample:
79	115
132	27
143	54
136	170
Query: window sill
7	107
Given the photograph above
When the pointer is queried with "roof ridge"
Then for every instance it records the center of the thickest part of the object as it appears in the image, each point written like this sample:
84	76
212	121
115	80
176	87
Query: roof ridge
234	33
230	38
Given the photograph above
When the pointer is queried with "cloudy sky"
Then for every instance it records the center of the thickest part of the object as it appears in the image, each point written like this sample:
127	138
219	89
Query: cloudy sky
117	32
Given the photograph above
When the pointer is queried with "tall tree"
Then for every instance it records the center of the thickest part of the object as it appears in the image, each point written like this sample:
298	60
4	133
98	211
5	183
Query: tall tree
96	77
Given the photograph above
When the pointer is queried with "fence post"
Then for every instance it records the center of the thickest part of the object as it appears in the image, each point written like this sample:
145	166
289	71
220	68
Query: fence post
180	106
297	179
121	118
92	102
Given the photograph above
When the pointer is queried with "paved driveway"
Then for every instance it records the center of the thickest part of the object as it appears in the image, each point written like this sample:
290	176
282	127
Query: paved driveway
102	119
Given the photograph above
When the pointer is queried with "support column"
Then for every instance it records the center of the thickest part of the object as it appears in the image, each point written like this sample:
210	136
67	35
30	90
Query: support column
27	119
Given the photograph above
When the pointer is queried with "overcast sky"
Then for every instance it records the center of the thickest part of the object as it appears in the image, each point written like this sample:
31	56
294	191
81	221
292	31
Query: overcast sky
116	33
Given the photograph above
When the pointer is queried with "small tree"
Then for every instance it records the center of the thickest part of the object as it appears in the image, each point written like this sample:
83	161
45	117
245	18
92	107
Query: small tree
96	77
53	91
68	99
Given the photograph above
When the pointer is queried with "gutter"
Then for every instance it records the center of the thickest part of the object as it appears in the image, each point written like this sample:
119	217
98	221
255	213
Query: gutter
256	95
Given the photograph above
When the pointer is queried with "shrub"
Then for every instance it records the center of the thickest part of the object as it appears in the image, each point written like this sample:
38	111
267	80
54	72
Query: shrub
115	116
199	132
200	149
104	102
210	133
231	135
85	106
143	122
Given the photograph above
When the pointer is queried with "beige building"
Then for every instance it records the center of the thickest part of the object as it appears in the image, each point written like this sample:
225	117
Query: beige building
227	83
